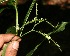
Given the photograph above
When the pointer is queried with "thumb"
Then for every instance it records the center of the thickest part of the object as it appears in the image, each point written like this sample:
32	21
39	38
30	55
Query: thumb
12	49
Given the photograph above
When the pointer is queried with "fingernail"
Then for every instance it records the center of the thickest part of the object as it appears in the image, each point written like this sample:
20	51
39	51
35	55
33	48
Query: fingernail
15	45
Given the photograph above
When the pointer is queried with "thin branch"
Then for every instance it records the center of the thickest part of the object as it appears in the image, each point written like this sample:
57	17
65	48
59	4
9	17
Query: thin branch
49	38
39	21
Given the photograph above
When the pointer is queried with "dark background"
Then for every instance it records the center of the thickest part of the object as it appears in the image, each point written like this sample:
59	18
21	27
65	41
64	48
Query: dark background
54	14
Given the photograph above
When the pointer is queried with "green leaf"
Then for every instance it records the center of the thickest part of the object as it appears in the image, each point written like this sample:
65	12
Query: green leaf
11	2
32	51
61	27
1	10
11	30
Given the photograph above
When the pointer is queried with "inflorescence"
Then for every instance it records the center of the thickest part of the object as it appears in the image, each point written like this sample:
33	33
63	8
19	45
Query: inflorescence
2	1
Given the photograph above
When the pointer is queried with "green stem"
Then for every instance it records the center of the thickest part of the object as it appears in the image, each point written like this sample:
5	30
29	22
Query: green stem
17	25
17	28
4	49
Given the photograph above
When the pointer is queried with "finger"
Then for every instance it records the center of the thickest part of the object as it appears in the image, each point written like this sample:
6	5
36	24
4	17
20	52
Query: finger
16	38
9	37
1	41
6	37
12	48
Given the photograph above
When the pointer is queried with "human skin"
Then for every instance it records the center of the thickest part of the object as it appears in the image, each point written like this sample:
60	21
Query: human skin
13	45
54	2
61	3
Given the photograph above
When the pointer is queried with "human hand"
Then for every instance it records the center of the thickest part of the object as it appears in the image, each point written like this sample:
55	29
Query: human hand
13	45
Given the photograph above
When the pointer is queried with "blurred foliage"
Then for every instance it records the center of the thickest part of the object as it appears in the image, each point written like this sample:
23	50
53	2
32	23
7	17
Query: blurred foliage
11	2
1	10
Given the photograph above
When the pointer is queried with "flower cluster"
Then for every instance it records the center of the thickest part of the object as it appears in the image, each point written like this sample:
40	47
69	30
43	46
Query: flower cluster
3	1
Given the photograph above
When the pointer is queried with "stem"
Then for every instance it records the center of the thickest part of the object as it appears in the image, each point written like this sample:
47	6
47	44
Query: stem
17	25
